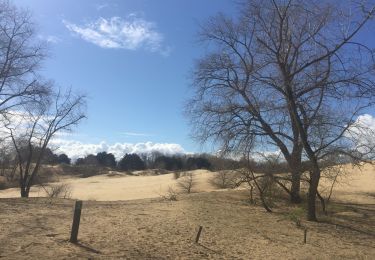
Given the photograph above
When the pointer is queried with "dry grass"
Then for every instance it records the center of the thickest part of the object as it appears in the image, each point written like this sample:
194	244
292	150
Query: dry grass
158	228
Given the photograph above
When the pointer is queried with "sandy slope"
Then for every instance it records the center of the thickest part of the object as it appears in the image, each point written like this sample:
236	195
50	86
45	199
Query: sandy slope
356	186
120	187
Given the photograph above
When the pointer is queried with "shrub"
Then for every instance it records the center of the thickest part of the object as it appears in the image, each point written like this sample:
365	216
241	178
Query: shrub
176	174
62	190
270	189
171	195
225	179
296	215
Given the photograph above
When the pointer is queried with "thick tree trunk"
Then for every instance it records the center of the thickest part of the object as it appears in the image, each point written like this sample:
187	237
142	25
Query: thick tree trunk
295	196
313	190
323	203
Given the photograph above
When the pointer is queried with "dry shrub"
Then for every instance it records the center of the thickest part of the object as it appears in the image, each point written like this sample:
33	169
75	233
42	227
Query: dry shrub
296	215
186	182
176	175
171	194
225	179
270	189
61	190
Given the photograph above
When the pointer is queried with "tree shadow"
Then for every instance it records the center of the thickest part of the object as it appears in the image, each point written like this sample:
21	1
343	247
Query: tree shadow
87	248
353	216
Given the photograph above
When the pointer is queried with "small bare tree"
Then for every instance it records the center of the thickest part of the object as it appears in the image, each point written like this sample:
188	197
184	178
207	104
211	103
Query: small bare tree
187	182
61	190
225	179
7	166
32	130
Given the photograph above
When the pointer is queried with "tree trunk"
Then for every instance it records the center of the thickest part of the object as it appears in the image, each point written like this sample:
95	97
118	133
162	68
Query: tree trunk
313	190
295	166
264	204
323	203
296	187
24	191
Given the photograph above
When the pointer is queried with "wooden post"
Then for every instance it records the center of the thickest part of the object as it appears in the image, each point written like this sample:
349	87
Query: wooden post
76	220
305	236
199	234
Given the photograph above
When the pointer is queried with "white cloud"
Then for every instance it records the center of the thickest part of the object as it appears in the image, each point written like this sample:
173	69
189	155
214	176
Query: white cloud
76	149
366	120
362	133
131	33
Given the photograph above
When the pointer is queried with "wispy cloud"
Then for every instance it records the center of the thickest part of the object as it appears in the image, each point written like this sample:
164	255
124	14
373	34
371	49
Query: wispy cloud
76	149
135	134
50	38
101	6
131	33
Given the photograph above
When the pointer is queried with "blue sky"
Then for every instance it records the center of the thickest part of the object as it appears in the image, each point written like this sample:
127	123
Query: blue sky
136	83
133	59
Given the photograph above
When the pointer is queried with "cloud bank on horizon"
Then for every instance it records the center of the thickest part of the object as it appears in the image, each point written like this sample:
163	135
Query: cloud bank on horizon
131	33
76	149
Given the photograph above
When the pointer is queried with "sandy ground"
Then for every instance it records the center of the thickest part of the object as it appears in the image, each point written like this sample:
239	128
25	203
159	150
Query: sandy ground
120	186
153	228
156	229
357	186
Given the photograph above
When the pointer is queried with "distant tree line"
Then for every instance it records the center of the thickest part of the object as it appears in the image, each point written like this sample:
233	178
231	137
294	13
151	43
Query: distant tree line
155	160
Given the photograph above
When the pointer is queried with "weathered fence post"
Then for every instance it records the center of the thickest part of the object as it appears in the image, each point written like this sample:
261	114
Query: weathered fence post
305	236
199	234
76	220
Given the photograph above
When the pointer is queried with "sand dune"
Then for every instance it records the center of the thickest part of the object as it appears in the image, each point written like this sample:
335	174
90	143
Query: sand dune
356	186
120	186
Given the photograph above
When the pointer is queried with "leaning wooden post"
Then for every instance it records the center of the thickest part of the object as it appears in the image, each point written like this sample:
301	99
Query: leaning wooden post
199	234
76	220
305	236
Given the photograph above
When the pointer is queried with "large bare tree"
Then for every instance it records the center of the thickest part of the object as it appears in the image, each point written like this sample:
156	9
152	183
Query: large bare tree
32	130
21	55
287	74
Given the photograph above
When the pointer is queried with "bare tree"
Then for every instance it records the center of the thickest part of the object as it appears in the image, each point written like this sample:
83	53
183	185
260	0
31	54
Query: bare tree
32	130
232	105
325	77
186	182
21	55
7	166
289	74
61	190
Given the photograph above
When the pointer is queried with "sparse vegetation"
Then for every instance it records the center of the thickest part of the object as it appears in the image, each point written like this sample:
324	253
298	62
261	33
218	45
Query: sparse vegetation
187	182
226	179
171	195
59	190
